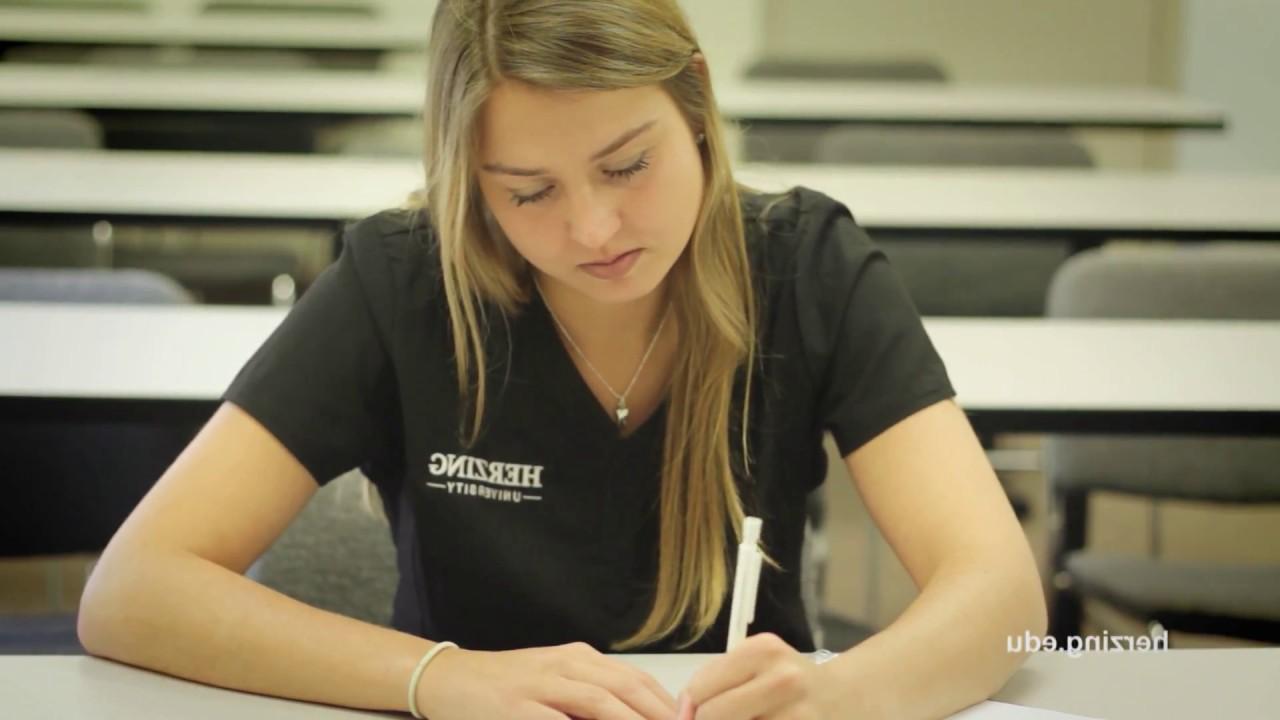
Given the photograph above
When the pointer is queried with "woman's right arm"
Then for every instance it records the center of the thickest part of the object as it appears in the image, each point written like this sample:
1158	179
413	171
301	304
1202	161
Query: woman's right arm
169	594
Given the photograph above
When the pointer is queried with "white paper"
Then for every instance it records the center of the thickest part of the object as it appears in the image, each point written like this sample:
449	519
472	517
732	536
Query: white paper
673	672
991	710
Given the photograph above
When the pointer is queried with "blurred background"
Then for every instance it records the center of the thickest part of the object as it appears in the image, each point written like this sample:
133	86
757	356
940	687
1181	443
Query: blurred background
1123	538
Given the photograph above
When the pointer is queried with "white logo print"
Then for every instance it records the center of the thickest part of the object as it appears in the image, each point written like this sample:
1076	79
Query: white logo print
485	479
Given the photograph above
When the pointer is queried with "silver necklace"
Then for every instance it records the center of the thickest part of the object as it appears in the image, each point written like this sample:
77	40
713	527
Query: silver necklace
620	411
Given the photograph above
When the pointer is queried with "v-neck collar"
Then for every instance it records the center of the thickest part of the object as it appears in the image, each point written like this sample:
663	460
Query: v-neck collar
571	388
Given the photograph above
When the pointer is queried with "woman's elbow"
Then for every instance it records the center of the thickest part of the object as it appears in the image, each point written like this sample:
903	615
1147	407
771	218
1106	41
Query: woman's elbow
1033	603
94	612
111	597
1027	613
1039	614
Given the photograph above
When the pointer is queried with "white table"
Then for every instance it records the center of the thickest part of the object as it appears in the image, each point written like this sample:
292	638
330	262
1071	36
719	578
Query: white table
1022	374
156	26
958	104
320	188
335	92
1172	685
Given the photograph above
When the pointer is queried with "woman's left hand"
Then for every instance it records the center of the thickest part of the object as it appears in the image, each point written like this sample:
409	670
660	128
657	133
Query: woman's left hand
761	678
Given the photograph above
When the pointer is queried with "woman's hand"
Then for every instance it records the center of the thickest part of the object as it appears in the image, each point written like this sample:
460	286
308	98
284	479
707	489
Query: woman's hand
552	683
762	678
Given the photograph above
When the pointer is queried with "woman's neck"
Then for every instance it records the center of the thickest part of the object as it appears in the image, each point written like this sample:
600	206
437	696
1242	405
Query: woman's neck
605	326
622	349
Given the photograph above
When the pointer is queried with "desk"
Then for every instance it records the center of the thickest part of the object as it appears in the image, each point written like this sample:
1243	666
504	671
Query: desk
327	189
1027	375
914	103
1172	685
370	93
155	26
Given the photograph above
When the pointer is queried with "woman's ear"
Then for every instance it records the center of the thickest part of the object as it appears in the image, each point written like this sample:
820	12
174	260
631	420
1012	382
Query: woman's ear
698	62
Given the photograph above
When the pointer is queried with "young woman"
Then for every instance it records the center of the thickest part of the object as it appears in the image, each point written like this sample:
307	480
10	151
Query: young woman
569	375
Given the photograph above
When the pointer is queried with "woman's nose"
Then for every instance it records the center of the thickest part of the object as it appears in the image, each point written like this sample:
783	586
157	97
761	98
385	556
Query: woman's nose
592	219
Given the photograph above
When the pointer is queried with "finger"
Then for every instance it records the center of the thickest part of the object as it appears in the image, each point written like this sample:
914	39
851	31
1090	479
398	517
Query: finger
736	667
626	684
536	711
649	681
652	683
587	701
686	708
718	676
590	654
795	712
767	696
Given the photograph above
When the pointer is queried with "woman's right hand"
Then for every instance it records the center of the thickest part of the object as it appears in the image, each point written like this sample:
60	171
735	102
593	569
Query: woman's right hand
546	683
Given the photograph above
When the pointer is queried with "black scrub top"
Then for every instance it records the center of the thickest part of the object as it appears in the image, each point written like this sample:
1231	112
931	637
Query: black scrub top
545	530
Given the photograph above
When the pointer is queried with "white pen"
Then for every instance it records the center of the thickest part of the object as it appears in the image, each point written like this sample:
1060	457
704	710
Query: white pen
746	580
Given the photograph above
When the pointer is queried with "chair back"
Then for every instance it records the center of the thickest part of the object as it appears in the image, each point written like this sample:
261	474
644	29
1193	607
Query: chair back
1213	281
336	555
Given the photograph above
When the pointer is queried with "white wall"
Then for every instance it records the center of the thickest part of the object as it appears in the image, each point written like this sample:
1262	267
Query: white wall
1100	42
731	32
984	42
1232	57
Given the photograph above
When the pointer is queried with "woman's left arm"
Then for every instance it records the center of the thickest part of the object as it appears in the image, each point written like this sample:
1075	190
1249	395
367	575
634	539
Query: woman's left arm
929	487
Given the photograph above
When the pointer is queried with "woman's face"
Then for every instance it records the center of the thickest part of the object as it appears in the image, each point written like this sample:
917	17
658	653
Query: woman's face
598	190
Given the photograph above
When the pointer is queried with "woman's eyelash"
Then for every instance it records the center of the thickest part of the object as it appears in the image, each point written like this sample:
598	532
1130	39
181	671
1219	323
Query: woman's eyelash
627	172
523	199
623	174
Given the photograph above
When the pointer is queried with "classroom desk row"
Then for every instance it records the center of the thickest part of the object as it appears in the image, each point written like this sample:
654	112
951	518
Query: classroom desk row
1011	375
328	189
383	93
368	28
1170	685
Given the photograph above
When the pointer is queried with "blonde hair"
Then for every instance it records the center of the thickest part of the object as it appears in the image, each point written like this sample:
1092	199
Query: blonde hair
594	45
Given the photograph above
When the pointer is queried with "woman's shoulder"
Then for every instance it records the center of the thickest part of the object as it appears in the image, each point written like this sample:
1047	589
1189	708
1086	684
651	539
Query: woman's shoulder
395	254
402	234
787	209
802	232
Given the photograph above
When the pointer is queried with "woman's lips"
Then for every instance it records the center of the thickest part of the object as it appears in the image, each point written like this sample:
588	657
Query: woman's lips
616	267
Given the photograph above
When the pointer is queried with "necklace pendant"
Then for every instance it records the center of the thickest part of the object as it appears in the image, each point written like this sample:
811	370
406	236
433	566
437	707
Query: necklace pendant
622	412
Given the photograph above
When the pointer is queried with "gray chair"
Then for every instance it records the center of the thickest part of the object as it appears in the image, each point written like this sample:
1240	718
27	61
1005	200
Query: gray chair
71	483
58	244
200	58
880	69
44	244
221	275
1182	282
161	56
188	130
336	555
886	144
89	285
49	129
957	275
796	143
380	137
354	9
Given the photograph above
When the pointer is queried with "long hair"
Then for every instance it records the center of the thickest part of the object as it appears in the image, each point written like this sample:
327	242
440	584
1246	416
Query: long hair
594	45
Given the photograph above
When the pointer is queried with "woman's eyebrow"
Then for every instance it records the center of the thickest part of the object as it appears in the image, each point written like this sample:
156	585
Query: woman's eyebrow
623	139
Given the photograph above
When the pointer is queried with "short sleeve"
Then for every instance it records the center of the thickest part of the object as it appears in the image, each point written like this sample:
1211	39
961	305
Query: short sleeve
322	382
876	364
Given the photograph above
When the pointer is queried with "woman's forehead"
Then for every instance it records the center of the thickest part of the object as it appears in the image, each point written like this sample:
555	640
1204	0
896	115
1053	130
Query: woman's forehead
520	119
